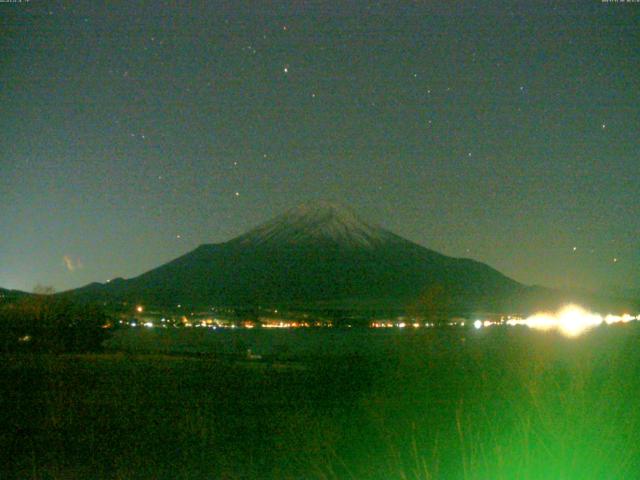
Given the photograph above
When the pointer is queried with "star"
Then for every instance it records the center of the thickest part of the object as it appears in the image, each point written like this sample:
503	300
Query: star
286	69
604	125
237	194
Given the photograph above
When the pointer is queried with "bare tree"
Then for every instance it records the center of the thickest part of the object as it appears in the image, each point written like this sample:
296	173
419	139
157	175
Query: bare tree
44	290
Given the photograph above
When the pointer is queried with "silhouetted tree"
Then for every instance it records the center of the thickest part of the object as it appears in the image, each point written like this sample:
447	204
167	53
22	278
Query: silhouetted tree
43	290
434	304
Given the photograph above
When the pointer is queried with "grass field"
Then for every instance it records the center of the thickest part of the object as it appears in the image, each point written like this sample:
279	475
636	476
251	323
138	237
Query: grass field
443	404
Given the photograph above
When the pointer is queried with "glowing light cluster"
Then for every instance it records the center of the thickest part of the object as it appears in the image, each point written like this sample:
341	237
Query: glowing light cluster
571	320
285	324
414	324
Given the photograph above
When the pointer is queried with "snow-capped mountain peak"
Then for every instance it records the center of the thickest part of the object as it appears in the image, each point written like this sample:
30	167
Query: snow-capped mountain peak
318	222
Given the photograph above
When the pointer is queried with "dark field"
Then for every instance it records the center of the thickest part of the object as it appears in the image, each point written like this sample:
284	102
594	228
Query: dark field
356	404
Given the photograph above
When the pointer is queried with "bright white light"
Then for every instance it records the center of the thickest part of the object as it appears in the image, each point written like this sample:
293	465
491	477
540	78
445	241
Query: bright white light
610	319
575	320
571	321
148	324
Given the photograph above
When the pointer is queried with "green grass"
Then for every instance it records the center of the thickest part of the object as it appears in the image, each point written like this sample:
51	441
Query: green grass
495	404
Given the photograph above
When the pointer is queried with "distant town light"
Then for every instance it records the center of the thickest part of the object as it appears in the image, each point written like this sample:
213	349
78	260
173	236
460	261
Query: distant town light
477	324
571	320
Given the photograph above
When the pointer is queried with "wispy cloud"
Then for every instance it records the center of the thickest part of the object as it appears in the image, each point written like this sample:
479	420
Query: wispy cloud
71	263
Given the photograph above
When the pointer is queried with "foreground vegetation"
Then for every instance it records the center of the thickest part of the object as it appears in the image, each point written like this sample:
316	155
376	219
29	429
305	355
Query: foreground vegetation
495	404
46	323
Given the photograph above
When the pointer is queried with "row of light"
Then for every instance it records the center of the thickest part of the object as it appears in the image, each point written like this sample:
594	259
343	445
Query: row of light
571	321
406	324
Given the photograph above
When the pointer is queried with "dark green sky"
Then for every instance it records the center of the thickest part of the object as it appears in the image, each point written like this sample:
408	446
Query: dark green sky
508	132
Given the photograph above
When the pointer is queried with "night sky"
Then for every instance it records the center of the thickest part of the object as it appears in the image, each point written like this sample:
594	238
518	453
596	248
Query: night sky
507	132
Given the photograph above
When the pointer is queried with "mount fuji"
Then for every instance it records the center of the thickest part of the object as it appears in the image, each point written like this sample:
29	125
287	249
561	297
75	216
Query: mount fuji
316	255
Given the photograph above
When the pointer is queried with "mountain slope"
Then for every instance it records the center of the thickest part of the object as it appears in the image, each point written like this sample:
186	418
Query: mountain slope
313	256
